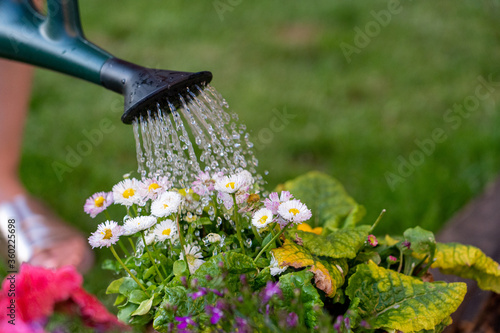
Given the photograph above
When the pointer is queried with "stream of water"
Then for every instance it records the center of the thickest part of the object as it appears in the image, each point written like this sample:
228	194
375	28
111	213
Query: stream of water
199	135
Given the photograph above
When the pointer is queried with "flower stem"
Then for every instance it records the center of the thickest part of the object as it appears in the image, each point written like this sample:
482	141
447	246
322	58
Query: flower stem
124	249
237	224
107	214
132	244
181	237
256	234
128	270
378	220
270	242
150	256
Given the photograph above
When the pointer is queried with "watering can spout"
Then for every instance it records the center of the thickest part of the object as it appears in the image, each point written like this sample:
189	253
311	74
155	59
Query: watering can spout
56	41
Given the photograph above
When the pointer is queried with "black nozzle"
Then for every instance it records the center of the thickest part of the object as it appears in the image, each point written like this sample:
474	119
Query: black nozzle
143	87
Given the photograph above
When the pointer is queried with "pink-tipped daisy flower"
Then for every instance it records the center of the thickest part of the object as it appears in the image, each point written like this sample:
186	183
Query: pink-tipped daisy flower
97	203
151	188
107	234
294	211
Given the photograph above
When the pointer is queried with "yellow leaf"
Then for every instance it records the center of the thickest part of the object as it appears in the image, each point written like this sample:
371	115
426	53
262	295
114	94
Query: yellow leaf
328	274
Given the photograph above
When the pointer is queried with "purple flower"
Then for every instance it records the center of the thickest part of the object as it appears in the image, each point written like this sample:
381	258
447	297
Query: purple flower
292	319
338	323
200	293
270	290
372	240
217	292
347	323
185	321
407	244
242	325
216	312
97	203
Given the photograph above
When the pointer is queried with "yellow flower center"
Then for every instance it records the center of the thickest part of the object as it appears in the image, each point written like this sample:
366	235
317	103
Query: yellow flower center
230	185
128	193
107	234
190	259
263	219
99	201
166	232
165	206
153	187
293	211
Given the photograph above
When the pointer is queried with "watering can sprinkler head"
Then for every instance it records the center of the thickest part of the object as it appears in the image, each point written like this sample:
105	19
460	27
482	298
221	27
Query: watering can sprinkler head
56	41
143	88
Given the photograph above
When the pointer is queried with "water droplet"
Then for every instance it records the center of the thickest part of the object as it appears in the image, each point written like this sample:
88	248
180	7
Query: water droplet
248	242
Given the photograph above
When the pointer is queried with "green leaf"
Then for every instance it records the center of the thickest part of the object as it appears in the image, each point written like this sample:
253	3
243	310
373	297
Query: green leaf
394	301
204	221
120	299
176	302
180	268
137	296
341	243
468	262
125	312
128	285
327	199
422	241
439	328
233	262
328	274
114	286
309	297
355	215
111	265
151	271
261	279
143	308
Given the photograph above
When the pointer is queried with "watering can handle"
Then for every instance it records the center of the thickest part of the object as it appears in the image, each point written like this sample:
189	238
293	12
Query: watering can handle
54	41
63	17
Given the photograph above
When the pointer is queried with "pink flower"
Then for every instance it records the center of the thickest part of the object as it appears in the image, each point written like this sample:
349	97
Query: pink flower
151	188
204	183
97	203
273	202
38	290
372	240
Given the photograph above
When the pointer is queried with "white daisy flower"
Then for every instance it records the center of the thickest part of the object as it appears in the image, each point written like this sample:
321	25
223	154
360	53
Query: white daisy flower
275	268
294	211
262	218
246	177
151	188
139	223
107	234
230	184
166	230
193	257
166	204
127	193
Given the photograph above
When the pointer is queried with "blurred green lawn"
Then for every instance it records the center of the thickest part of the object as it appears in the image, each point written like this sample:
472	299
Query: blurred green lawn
352	120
